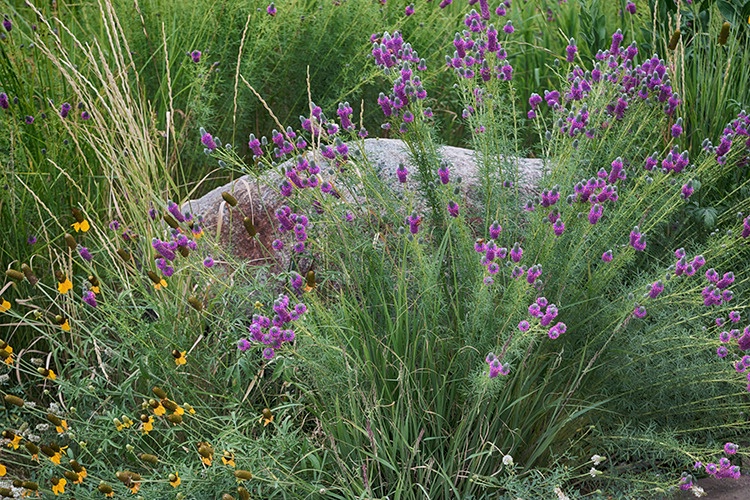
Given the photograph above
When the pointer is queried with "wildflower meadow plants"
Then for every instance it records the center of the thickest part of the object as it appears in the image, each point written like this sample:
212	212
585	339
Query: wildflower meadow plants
467	339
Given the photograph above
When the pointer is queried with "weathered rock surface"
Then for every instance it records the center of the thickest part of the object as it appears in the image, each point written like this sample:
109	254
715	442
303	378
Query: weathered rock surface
258	199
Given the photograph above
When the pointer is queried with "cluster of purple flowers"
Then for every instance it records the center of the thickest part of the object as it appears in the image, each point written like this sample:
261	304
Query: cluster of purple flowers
716	293
391	53
600	189
636	240
478	47
168	250
614	66
545	312
674	161
208	140
736	130
682	266
724	469
290	222
274	332
496	367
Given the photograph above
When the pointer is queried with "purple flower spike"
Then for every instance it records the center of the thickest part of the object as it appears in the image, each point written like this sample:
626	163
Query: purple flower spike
4	103
444	174
636	240
639	312
730	448
558	227
495	230
196	56
65	110
453	208
401	173
85	253
656	289
516	252
207	140
571	51
630	7
508	28
208	262
89	297
677	128
7	24
243	345
409	10
607	256
524	326
271	10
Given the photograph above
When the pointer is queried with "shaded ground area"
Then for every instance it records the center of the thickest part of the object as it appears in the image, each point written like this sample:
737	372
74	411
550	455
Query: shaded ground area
722	489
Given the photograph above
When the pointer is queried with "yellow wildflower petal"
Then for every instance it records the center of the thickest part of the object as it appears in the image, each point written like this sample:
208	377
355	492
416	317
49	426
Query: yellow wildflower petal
147	426
95	289
65	326
266	417
228	459
15	442
159	410
4	306
65	286
174	480
181	359
59	487
51	375
163	283
55	459
3	470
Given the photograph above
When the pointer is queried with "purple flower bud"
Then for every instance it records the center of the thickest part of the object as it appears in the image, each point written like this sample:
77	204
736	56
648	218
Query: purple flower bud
271	10
656	288
558	227
207	140
630	7
409	10
508	28
196	56
516	253
524	326
452	208
89	297
571	51
85	253
7	24
607	256
444	174
208	262
495	230
639	312
4	101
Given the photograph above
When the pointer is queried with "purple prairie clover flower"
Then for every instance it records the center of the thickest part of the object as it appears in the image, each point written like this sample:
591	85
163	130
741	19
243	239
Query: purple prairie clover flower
725	337
712	275
630	7
85	115
677	128
725	281
268	352
196	56
734	316
745	227
65	110
493	268
506	72
571	50
444	174
552	98
29	120
698	262
414	221
7	24
114	225
516	253
31	239
508	28
408	116
722	351
595	213
636	240
495	229
168	271
480	246
445	3
686	482
607	256
744	341
730	448
639	312
524	326
453	208
518	271
535	100
271	10
484	9
558	227
174	209
720	322
409	10
549	315
4	101
243	345
656	289
401	173
208	262
542	302
488	280
85	253
89	297
207	140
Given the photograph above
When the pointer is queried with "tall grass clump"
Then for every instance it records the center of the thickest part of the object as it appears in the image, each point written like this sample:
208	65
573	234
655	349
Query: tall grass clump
517	332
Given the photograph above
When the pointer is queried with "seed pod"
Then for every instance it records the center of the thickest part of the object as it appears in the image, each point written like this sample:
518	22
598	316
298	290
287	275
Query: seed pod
47	450
6	492
77	214
30	277
231	200
76	466
8	434
30	485
93	280
227	496
243	474
124	254
243	493
153	403
31	447
184	251
71	476
174	418
724	33
54	419
4	354
10	399
71	241
59	319
154	277
151	459
169	404
249	227
160	393
171	221
197	304
123	476
205	450
311	279
14	275
674	40
44	373
105	488
55	447
17	483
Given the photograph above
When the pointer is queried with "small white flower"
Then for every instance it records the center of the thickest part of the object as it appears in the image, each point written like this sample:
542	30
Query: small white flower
560	494
697	491
4	378
42	427
508	461
593	472
597	459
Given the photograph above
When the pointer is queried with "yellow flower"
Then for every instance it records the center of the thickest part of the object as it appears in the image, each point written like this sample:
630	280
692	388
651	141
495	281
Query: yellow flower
266	417
4	306
6	353
147	425
58	485
64	286
174	480
258	304
206	452
62	427
78	469
158	281
48	374
227	458
159	409
53	452
179	357
95	289
82	226
65	326
14	439
3	470
189	408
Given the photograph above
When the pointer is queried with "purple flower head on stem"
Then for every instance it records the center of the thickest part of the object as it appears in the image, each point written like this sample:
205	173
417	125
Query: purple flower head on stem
271	10
85	253
196	56
516	252
630	7
89	297
607	256
508	28
571	51
207	140
208	262
453	208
